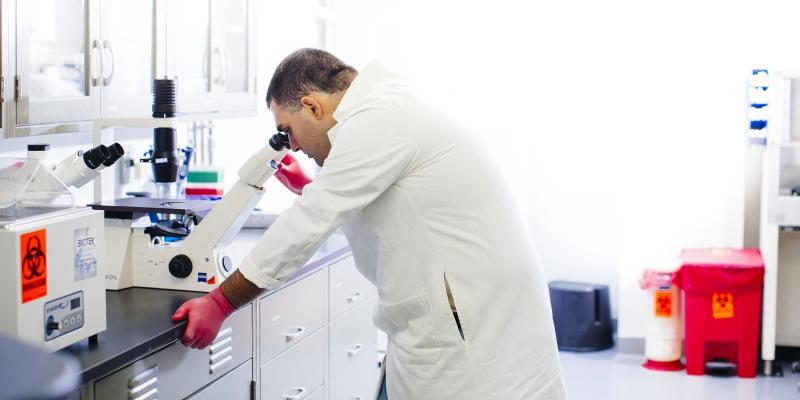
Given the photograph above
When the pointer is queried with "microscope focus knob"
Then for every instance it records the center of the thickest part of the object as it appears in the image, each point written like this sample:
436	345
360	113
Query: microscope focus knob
180	266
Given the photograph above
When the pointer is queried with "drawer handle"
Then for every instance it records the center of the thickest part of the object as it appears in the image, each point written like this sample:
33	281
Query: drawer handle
149	395
294	333
294	393
216	356
144	376
215	367
224	333
353	298
355	350
223	343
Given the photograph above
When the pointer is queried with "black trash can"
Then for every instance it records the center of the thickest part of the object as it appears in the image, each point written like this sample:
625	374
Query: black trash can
582	316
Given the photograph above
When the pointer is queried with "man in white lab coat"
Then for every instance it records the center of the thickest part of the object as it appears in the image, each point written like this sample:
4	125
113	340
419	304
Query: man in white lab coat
431	223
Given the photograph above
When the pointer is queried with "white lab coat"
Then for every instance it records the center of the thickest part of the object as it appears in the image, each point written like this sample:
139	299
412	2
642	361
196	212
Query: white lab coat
418	200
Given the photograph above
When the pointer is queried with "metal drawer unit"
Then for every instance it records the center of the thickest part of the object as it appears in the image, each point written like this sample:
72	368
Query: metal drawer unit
296	373
358	381
290	315
236	385
352	337
177	371
346	287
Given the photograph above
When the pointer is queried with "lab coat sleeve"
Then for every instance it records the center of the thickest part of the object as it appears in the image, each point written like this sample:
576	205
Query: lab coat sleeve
368	155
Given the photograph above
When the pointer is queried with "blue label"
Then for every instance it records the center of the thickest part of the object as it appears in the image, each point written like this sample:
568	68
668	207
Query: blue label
201	276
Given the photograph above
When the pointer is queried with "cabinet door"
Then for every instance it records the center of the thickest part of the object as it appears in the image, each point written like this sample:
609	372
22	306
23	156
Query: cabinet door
235	385
187	52
59	61
233	61
127	44
5	16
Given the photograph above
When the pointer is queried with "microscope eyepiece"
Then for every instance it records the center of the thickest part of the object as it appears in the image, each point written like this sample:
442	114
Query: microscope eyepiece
97	156
279	141
116	151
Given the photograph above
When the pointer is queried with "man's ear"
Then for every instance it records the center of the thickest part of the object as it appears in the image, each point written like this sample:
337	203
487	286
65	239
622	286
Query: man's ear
312	105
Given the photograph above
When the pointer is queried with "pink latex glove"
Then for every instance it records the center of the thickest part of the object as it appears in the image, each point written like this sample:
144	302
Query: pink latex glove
291	175
205	316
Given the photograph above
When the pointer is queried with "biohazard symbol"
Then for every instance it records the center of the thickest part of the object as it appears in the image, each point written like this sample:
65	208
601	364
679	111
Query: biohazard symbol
33	264
35	259
722	305
664	303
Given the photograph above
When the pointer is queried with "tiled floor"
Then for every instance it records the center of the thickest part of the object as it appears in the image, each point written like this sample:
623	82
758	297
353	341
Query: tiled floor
610	375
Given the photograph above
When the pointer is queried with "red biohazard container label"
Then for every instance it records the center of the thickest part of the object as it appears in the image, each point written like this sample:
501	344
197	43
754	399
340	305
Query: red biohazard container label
722	305
663	303
33	268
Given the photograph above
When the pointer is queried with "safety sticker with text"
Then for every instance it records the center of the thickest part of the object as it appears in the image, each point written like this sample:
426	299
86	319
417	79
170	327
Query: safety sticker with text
722	305
85	265
663	303
33	260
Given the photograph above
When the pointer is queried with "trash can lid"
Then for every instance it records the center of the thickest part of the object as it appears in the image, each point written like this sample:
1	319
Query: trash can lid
709	270
722	257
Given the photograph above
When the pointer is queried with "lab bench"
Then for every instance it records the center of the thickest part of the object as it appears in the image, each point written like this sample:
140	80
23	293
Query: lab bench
311	339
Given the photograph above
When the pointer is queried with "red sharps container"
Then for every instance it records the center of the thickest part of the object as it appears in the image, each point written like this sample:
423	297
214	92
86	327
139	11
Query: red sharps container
722	293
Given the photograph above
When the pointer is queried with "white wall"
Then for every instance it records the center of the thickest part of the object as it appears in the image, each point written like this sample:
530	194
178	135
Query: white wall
621	123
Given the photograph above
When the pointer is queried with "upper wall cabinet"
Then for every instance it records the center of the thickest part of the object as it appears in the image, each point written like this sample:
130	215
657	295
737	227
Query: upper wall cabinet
5	11
58	61
127	33
78	60
234	40
209	46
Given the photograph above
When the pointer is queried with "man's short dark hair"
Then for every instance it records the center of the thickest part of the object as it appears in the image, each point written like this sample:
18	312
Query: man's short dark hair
306	71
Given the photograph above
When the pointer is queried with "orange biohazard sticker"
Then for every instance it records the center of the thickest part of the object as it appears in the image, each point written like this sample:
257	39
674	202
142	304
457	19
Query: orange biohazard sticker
722	305
664	303
33	264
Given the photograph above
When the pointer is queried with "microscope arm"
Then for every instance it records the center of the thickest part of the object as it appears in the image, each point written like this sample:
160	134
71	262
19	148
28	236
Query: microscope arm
228	216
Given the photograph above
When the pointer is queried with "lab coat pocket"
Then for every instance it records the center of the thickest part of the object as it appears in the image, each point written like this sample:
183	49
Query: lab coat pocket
410	327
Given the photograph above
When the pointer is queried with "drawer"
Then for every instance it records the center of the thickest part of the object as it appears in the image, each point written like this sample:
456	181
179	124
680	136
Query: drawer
353	336
177	371
290	315
346	287
318	394
358	381
235	385
296	373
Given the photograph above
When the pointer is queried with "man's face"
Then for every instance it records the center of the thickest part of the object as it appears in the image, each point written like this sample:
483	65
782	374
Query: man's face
307	131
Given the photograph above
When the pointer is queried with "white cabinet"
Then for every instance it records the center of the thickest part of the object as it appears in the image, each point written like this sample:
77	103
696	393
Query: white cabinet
296	373
78	60
290	315
127	37
5	77
58	61
209	46
347	287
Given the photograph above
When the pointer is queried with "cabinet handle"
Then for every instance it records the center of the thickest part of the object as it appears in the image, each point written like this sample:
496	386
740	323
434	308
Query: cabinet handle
96	46
107	46
226	66
294	333
294	393
218	77
353	298
355	350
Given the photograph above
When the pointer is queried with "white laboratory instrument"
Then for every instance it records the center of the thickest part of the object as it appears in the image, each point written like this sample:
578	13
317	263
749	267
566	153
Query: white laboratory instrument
144	254
54	251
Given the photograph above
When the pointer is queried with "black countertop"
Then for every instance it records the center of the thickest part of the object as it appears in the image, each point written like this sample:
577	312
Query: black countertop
138	319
